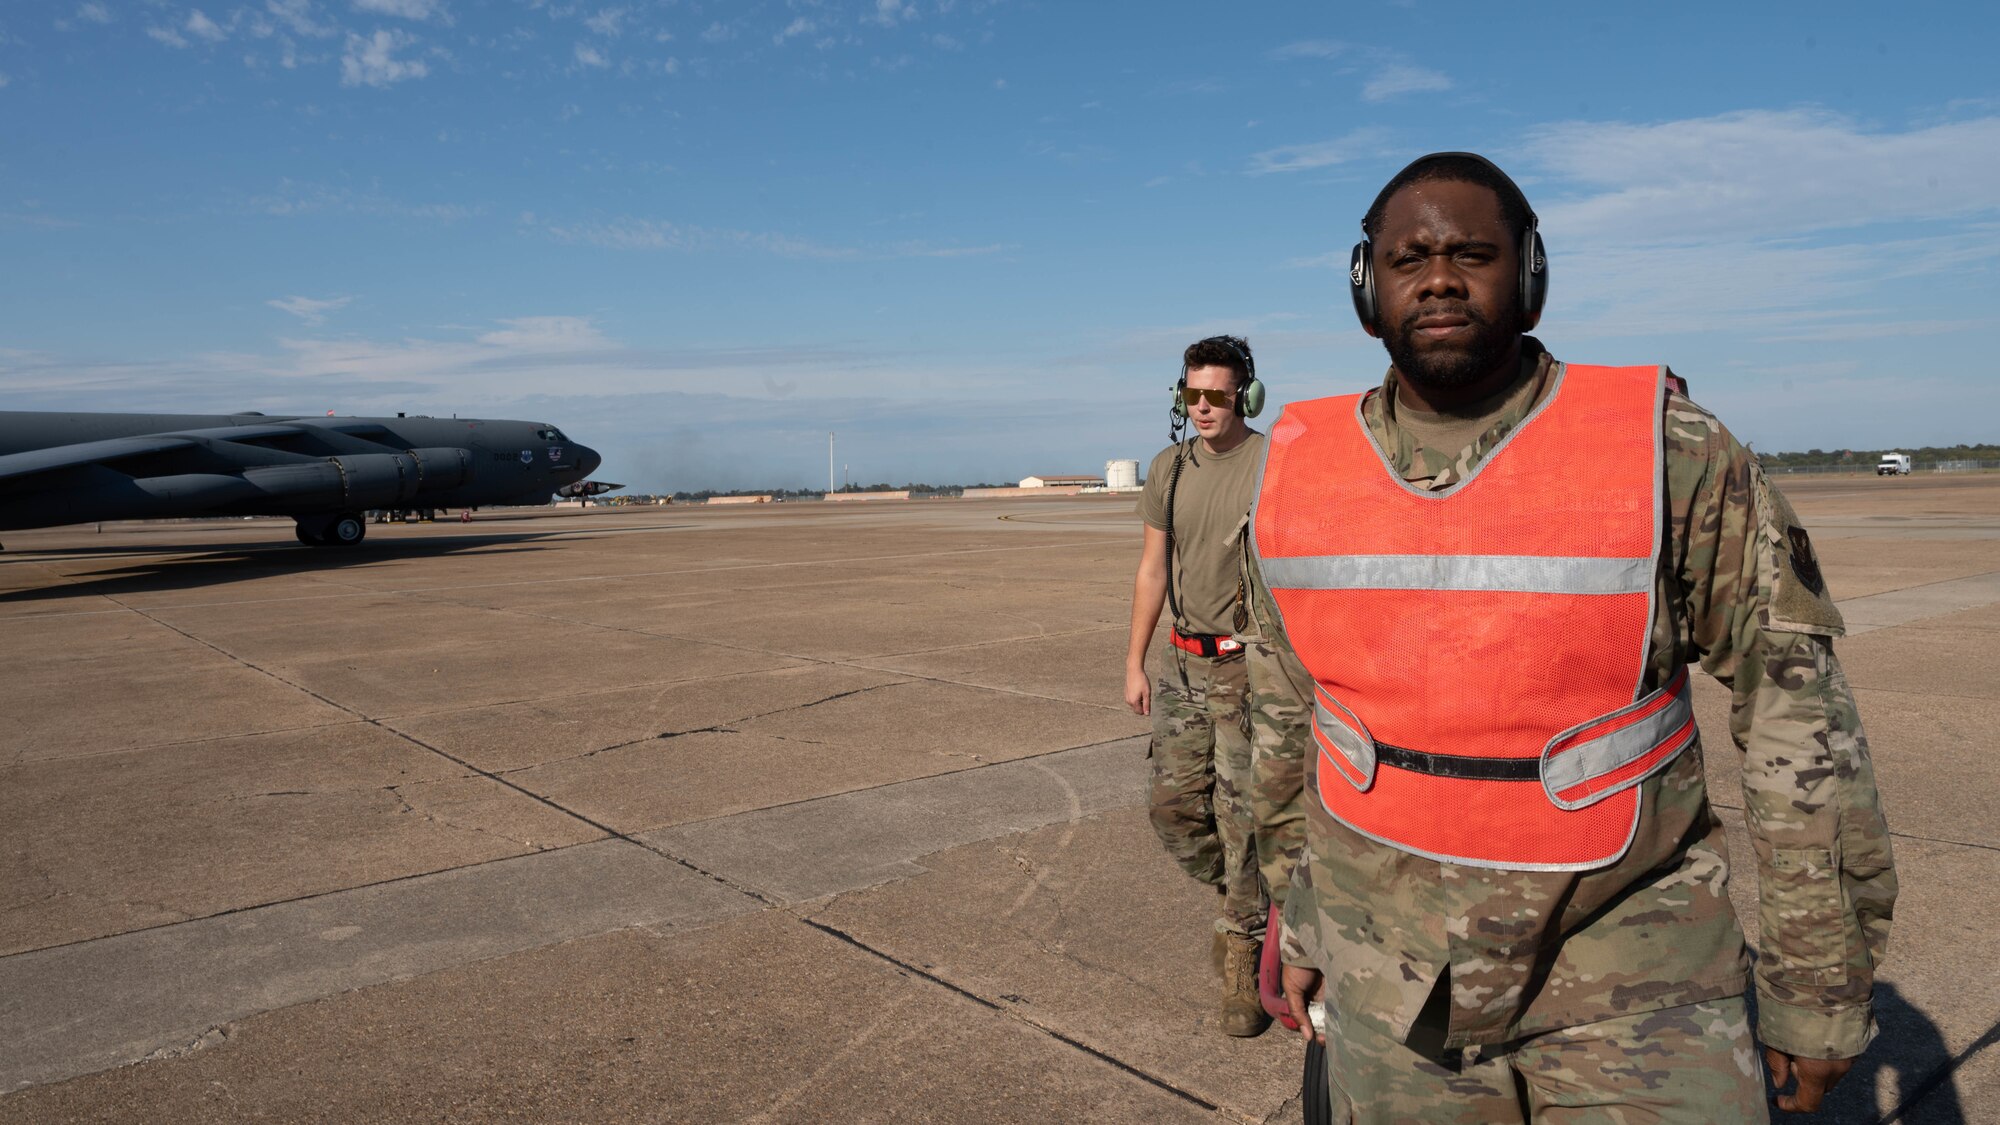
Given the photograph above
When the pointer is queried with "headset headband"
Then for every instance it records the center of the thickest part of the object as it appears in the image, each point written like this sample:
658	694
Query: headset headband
1534	275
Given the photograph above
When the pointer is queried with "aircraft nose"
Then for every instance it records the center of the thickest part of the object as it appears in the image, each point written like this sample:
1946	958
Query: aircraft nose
588	459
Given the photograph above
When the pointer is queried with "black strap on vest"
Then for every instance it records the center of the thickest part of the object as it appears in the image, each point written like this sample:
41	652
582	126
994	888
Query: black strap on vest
1459	765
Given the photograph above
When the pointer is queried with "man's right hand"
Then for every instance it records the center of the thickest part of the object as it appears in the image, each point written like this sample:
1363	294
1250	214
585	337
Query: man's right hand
1301	986
1138	691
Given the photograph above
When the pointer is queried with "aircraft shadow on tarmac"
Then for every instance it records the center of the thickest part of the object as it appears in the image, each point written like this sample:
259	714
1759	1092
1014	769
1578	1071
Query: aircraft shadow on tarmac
193	565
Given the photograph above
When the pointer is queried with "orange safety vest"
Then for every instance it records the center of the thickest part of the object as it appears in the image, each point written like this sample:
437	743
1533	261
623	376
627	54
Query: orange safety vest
1479	651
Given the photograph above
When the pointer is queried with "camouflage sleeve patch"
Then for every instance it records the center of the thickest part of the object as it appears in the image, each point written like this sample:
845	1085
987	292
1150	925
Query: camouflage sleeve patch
1800	601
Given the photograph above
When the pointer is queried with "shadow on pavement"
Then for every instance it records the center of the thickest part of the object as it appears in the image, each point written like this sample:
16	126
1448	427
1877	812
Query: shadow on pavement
197	564
1908	1067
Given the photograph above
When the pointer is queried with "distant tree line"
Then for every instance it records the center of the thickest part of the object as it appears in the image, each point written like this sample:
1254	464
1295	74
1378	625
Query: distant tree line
1813	458
914	488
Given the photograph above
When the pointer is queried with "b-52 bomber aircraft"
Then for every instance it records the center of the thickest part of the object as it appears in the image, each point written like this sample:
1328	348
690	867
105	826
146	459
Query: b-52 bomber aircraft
325	473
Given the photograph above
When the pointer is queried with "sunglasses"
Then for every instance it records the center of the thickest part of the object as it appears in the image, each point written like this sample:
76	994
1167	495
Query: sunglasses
1218	399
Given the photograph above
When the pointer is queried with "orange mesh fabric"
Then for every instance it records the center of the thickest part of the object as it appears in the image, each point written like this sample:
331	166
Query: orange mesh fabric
1480	673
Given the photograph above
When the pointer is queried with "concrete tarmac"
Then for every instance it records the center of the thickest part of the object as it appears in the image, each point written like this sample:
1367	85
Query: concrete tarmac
772	813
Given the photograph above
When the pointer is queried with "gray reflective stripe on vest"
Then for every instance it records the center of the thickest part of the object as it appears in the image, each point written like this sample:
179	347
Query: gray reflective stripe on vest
1615	749
1357	746
1528	574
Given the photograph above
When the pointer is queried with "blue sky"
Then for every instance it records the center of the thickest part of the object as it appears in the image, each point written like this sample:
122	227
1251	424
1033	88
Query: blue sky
970	237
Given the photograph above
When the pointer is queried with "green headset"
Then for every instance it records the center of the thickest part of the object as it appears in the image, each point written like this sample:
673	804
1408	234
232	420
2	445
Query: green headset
1249	400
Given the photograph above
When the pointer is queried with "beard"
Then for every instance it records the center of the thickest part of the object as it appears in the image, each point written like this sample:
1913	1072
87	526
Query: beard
1460	365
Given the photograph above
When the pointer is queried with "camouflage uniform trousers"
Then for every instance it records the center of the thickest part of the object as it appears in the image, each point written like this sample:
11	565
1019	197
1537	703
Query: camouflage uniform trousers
1200	779
1691	1065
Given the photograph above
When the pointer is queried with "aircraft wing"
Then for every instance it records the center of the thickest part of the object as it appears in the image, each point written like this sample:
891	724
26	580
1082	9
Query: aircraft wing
82	453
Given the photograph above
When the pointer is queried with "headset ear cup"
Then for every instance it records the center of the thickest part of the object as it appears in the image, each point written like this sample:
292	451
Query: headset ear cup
1361	282
1180	405
1534	276
1251	402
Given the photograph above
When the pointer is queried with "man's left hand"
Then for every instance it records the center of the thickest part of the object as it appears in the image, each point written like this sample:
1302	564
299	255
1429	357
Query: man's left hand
1816	1077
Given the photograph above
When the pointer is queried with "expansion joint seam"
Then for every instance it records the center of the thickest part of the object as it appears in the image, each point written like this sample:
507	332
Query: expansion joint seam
1068	1041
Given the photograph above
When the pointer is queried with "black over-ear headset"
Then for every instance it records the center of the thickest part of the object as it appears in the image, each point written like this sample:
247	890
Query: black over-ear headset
1249	400
1534	258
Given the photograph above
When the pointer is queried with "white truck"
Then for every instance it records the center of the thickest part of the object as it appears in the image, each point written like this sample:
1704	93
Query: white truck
1893	464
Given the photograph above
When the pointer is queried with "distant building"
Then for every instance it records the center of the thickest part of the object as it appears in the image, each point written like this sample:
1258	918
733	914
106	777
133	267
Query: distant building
1056	480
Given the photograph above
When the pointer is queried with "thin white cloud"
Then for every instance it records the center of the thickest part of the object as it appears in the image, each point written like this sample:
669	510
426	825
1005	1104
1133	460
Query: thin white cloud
201	27
419	10
608	22
658	235
373	62
1766	291
718	32
166	35
591	56
1313	49
312	312
1762	174
799	26
4	79
547	334
293	197
93	12
298	16
889	13
1317	154
1394	81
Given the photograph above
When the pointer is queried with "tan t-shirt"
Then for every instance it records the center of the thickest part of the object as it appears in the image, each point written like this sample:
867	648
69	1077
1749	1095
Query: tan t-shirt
1449	432
1210	503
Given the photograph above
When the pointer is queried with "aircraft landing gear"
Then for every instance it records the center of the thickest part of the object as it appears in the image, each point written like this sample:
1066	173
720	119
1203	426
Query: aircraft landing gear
343	529
347	529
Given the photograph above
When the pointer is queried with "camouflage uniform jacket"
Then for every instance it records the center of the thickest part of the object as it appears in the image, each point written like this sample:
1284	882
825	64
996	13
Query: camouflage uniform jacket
1740	591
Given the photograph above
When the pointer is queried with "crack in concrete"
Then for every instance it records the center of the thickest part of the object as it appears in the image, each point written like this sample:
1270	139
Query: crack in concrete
726	727
434	818
213	1037
1013	1013
1942	1075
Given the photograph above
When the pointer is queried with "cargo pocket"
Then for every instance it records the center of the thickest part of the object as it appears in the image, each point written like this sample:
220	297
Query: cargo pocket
1804	918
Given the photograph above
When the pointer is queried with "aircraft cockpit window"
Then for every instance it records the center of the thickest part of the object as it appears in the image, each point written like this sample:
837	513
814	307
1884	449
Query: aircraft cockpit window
550	433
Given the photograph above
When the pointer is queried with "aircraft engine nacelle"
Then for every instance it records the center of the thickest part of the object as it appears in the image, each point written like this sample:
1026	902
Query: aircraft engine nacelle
441	468
378	480
350	482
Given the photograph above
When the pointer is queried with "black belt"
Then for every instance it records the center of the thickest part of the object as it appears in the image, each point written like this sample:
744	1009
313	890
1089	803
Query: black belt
1459	765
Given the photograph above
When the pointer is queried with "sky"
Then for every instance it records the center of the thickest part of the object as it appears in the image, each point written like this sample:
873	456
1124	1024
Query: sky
969	238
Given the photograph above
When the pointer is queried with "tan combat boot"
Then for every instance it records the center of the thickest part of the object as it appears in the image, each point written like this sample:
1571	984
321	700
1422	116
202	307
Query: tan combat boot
1218	950
1243	1012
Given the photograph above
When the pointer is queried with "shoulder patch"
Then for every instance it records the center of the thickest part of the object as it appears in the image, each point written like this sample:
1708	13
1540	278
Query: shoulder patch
1799	601
1804	563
